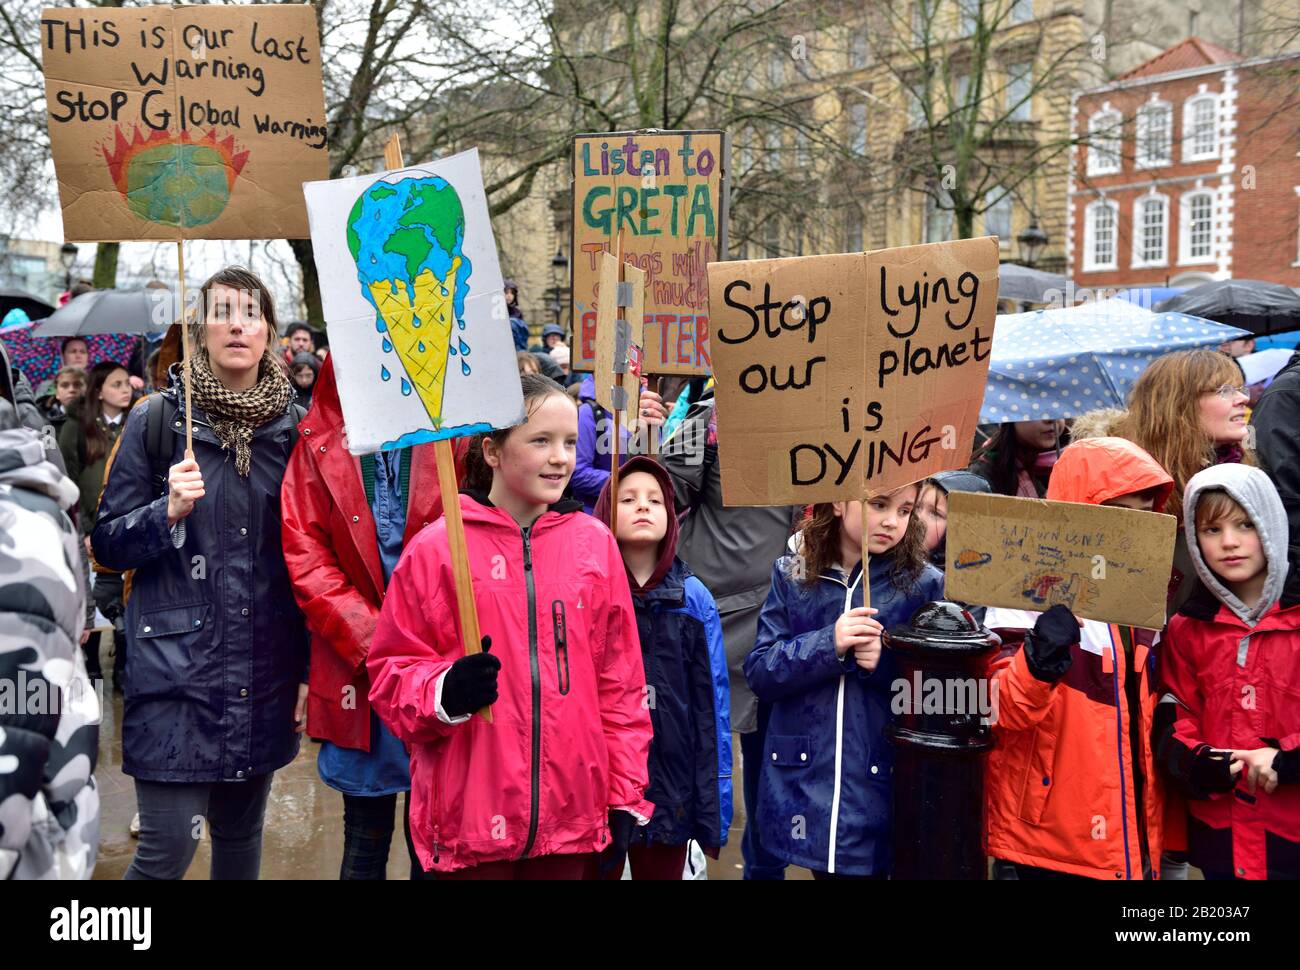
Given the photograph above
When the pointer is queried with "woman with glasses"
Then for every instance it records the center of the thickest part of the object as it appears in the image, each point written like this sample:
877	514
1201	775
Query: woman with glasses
1189	411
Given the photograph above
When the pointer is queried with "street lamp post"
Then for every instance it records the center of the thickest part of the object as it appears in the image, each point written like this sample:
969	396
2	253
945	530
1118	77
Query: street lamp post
559	268
68	257
1032	240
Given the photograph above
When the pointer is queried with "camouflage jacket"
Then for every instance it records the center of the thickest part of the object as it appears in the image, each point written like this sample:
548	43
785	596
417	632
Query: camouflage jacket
49	710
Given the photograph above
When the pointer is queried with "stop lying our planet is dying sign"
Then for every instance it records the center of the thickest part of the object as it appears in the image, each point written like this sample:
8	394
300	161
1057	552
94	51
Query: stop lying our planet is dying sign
184	122
840	376
664	194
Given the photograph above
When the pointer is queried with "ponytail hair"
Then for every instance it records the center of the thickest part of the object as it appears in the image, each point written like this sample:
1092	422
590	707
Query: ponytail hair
478	473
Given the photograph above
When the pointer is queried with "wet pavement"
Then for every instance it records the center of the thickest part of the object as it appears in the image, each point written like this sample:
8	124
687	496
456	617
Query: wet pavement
303	835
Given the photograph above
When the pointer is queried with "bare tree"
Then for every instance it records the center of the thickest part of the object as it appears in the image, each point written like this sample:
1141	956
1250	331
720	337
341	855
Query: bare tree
610	65
25	187
969	72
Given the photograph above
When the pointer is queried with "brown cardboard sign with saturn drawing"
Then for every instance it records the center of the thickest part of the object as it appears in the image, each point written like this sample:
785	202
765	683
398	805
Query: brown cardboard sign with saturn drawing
1104	563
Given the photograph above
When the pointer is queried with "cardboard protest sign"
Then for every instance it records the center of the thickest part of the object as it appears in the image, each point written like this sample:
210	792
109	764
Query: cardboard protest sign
196	122
841	376
619	333
1104	563
667	193
412	292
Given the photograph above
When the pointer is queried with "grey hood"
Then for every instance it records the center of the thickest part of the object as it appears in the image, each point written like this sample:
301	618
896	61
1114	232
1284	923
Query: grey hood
1253	491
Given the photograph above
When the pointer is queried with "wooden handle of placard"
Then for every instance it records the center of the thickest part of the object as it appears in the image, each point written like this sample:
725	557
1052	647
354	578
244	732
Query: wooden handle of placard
450	490
459	555
185	351
866	558
613	476
652	432
393	152
617	378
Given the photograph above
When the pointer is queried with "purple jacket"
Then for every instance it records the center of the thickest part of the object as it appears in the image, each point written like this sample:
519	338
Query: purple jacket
592	468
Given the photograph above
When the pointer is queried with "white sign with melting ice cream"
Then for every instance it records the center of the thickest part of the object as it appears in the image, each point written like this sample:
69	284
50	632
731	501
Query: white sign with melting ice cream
412	295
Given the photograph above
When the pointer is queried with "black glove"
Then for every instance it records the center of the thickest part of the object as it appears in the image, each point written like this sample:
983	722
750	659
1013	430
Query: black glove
1047	645
471	683
1210	773
621	826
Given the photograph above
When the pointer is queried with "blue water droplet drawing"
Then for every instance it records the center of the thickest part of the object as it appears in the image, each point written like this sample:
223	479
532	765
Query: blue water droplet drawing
451	350
406	387
464	348
464	368
461	324
383	373
420	344
388	346
444	291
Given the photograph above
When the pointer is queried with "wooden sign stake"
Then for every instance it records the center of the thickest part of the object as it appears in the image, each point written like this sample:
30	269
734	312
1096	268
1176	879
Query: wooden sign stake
618	431
866	557
186	351
451	505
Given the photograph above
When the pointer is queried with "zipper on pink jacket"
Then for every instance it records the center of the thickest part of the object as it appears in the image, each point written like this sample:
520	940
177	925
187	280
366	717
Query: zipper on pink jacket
537	692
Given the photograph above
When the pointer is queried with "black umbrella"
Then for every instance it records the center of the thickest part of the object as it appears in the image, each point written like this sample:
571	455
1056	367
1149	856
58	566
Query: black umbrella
1254	305
1027	285
33	306
149	311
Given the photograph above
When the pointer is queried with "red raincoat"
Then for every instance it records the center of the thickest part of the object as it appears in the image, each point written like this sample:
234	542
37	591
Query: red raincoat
570	733
1238	685
332	553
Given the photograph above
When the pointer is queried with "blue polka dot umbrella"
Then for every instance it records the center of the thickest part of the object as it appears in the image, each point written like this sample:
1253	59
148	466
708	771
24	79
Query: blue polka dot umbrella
1062	362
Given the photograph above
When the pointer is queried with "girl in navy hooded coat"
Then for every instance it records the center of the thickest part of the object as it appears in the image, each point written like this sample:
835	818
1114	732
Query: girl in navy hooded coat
825	794
688	692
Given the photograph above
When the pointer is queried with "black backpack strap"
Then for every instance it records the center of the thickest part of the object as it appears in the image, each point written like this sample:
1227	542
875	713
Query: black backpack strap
597	411
158	437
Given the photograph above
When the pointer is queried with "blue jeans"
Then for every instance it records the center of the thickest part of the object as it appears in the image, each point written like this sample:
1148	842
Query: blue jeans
172	817
759	863
368	833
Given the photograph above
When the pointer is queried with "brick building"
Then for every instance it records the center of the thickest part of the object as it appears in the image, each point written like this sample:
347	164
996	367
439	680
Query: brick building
1191	171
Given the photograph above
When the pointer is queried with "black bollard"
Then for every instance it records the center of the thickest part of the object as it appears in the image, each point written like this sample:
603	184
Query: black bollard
942	705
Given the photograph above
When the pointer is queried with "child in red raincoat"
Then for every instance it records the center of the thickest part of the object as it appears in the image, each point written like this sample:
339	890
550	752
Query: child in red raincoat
1232	676
559	774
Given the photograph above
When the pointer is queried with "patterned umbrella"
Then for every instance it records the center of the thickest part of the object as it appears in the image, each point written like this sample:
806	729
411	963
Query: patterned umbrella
1062	362
39	357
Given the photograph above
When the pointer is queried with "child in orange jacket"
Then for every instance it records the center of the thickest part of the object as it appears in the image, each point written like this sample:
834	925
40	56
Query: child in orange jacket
1072	787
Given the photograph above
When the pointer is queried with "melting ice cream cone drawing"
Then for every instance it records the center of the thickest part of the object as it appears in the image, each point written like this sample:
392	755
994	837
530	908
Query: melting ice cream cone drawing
411	293
406	239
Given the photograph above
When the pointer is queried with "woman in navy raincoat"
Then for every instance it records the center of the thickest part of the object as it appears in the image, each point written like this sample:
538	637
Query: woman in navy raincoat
216	692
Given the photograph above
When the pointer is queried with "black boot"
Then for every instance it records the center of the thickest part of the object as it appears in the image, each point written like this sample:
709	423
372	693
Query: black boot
91	651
